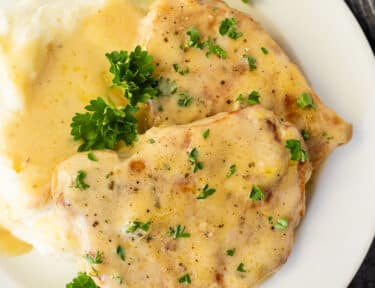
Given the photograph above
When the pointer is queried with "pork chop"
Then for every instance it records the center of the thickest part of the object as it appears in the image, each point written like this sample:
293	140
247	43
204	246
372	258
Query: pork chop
225	55
214	203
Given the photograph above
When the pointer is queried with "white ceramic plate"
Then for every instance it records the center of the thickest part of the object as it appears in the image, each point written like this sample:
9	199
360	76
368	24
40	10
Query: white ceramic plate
325	40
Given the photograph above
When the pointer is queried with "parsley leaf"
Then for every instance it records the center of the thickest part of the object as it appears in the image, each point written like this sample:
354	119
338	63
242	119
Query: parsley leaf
231	252
256	194
305	134
194	38
281	224
232	170
296	151
185	279
133	74
182	72
227	27
306	101
82	281
80	180
184	100
214	49
97	259
251	61
206	133
193	158
178	232
120	251
264	50
206	192
241	268
92	156
103	126
135	225
251	99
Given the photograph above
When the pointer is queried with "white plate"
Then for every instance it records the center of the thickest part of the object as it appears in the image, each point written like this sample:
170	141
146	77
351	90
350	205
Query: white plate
325	40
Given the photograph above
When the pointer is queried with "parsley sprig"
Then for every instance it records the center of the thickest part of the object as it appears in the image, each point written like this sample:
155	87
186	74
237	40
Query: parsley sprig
178	232
104	126
133	74
251	99
296	151
228	27
206	192
82	281
193	158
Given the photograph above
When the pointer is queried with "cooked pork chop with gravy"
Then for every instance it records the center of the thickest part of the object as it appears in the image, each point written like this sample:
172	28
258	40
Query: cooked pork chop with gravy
216	208
249	61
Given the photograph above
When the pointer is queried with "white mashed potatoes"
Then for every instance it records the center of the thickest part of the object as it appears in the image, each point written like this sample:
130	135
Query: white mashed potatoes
51	64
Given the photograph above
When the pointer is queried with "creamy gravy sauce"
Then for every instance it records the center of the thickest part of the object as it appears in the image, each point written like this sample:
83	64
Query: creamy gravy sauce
10	245
71	72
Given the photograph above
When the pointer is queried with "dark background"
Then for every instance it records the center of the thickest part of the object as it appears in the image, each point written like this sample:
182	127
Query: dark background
364	10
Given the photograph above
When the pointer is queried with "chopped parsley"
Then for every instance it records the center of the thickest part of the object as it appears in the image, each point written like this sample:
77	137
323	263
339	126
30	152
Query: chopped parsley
82	281
281	224
231	252
184	100
270	219
228	27
264	50
193	158
305	134
80	180
151	141
256	194
206	133
92	156
181	71
306	101
241	268
246	1
232	170
251	99
251	61
214	49
120	251
194	38
97	259
206	192
166	86
135	225
185	279
296	151
178	232
133	74
104	126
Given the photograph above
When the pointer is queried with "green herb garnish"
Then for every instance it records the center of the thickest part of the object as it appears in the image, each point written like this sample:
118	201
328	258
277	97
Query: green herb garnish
92	156
264	50
135	225
214	49
133	74
305	134
80	180
206	133
184	279
306	101
296	151
183	71
251	61
120	251
97	259
104	126
228	27
251	99
281	224
82	281
241	268
256	194
231	252
194	38
184	100
206	192
178	232
193	158
232	170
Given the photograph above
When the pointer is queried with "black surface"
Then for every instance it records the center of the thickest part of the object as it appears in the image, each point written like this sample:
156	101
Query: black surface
364	10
